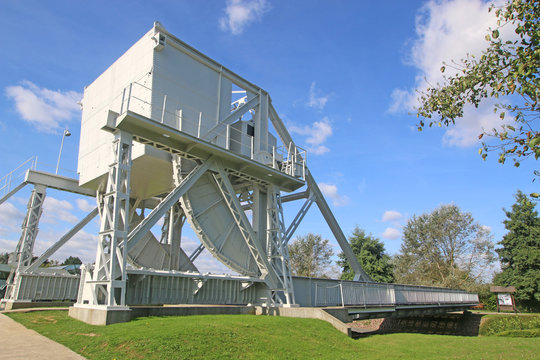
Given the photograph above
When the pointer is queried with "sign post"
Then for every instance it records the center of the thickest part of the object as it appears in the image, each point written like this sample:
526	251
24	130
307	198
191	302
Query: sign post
505	298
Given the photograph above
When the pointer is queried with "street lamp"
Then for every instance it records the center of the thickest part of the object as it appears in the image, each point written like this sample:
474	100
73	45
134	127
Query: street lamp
66	133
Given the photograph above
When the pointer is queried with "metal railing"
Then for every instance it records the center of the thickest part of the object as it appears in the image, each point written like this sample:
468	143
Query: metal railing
17	175
345	293
141	99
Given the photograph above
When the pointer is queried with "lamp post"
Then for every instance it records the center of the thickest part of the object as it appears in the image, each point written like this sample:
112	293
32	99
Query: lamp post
66	133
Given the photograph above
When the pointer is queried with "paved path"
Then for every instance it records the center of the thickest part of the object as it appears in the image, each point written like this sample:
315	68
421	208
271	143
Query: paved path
18	342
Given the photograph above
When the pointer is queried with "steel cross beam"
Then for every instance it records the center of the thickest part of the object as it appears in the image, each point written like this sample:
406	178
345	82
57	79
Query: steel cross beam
196	253
12	192
231	117
172	198
286	138
23	252
30	227
229	195
278	254
108	285
34	266
298	218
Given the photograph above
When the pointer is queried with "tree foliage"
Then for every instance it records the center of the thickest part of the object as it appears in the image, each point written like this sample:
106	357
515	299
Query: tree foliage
444	248
310	256
371	255
72	261
507	68
520	252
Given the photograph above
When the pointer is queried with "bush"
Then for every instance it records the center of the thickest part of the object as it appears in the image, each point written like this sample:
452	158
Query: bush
511	325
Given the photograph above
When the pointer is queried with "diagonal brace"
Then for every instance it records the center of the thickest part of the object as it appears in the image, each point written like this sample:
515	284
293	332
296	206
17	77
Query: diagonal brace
172	198
256	249
231	117
12	192
64	239
298	218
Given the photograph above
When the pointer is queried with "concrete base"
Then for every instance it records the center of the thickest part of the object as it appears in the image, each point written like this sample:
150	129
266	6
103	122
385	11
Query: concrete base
13	305
100	315
338	317
103	315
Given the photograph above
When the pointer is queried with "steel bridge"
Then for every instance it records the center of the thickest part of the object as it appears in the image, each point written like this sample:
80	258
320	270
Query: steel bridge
168	133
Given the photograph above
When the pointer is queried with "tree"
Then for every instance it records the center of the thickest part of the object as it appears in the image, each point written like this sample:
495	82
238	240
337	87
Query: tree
507	68
72	261
371	255
520	252
444	248
4	257
310	256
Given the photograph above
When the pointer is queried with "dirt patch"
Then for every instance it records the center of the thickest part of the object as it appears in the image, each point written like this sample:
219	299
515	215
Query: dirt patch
44	320
89	334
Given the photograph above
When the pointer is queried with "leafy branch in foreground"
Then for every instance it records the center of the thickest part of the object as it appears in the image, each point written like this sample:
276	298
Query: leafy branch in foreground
507	68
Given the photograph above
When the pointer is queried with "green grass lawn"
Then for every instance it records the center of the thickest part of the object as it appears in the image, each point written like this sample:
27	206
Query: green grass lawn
259	337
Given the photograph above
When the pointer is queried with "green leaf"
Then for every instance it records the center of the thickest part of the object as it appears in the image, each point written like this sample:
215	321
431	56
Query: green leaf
443	68
534	141
495	34
502	115
535	195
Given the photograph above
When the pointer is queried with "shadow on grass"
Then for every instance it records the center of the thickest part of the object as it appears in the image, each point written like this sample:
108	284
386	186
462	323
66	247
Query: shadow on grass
467	324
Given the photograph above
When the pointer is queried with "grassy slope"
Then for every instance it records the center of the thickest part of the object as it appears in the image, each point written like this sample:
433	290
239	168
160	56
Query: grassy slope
256	337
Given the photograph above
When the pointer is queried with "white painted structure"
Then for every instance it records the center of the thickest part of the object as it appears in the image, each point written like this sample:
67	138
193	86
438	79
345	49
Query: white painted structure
168	133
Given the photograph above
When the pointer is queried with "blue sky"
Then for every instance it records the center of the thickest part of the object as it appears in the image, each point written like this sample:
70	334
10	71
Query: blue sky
341	75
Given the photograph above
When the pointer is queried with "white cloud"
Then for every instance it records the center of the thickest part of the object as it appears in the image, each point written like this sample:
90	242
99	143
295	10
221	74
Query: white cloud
240	13
55	210
391	233
316	134
487	228
315	101
331	191
85	205
205	262
11	219
391	215
48	110
449	30
83	245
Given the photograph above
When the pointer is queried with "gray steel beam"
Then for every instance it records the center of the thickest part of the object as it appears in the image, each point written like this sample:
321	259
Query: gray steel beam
62	241
296	196
231	117
57	182
196	253
255	247
144	226
286	138
297	219
12	192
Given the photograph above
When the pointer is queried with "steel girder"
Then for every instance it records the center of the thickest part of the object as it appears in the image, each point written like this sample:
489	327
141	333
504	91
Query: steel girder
108	285
286	138
22	256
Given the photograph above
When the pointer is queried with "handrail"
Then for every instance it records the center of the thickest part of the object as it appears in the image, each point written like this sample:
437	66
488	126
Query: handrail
140	99
347	293
7	181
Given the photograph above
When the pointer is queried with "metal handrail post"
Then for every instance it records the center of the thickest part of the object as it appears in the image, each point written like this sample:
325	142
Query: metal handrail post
163	110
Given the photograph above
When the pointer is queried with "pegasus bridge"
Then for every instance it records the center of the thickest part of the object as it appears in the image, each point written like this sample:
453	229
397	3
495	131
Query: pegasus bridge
168	133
